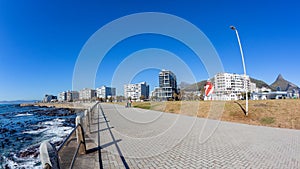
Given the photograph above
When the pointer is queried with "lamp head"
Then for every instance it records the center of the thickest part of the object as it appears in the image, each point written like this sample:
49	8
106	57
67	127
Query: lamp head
233	28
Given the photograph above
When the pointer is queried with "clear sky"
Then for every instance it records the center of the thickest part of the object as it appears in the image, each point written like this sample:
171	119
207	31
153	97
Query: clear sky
41	40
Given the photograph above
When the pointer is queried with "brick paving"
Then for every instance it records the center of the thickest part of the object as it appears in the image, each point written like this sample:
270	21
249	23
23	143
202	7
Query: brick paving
136	138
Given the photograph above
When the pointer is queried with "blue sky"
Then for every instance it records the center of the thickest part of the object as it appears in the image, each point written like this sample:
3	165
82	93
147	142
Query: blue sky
41	40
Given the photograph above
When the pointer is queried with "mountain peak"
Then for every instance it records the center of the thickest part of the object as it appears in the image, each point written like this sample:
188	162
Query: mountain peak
280	77
282	84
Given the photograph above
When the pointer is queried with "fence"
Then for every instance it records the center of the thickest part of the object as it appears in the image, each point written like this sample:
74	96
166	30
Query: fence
65	156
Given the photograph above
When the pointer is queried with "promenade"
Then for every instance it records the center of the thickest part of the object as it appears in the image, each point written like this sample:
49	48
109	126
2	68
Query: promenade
137	138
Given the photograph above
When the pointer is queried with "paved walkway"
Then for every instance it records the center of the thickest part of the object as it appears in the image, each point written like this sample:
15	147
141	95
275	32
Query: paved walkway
136	138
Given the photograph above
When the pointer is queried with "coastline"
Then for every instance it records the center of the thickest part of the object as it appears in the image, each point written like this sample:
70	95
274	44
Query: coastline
69	105
24	127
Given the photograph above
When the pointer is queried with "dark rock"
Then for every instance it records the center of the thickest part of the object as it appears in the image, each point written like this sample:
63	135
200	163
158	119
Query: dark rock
3	130
12	131
27	138
31	151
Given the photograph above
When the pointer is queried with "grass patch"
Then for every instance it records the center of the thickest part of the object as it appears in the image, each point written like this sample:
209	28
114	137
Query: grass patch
171	111
272	113
233	113
142	105
267	120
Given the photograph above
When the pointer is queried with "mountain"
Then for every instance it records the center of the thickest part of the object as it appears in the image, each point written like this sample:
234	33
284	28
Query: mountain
195	87
183	85
260	83
283	85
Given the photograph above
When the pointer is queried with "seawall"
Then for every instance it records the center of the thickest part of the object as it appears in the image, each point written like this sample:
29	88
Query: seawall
69	105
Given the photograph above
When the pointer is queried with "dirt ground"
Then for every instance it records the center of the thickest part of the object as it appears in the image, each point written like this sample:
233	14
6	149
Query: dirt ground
272	113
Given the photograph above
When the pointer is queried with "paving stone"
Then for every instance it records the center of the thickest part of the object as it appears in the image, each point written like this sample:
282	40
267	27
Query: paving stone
151	139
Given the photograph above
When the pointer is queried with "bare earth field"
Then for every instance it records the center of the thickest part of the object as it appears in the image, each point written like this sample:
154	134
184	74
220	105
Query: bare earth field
272	113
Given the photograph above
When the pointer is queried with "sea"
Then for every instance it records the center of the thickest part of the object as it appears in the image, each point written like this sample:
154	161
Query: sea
22	129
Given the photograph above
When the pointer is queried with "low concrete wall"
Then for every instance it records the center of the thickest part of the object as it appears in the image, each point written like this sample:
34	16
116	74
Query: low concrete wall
62	105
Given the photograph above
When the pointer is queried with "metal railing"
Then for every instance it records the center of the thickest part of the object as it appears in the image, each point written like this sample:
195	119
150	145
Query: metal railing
49	155
69	136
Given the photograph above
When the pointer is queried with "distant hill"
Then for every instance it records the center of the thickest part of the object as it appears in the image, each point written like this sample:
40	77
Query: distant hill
260	83
196	86
183	85
283	84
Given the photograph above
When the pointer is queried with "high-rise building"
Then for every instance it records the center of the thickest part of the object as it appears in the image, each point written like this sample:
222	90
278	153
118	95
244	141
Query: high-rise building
168	84
106	92
136	91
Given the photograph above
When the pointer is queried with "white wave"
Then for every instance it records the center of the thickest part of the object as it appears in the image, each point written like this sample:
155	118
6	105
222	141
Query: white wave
24	114
24	163
54	122
52	128
58	131
35	131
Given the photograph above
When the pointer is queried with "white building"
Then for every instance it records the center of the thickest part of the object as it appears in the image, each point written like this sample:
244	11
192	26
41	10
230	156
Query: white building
135	91
106	92
270	95
49	98
62	96
231	86
87	94
262	90
68	96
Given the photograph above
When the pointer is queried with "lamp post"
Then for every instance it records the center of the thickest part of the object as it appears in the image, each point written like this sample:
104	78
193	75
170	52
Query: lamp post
245	81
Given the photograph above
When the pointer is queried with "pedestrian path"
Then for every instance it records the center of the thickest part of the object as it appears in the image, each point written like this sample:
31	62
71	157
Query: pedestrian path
136	138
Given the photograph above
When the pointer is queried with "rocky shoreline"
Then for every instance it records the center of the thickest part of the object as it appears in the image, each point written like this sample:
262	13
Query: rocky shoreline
23	128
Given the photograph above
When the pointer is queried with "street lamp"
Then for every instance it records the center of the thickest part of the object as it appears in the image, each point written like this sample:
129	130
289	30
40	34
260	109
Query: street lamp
245	81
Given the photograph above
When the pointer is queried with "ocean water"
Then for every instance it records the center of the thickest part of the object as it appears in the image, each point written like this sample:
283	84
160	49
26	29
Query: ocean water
22	129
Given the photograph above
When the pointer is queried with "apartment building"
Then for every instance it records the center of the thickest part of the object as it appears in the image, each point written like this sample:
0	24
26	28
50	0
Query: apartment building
106	92
136	91
167	85
87	94
62	96
230	86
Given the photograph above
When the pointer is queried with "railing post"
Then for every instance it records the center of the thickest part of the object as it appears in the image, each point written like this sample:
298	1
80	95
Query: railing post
87	120
49	156
80	135
90	118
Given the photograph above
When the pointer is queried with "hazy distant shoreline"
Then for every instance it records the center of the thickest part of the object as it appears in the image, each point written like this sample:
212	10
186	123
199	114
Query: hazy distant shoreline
18	101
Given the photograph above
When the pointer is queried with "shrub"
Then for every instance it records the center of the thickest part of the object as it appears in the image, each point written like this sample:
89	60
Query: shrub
267	120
